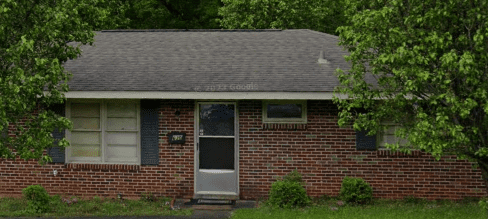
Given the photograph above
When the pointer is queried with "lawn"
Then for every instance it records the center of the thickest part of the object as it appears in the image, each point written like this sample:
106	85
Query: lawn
14	207
404	209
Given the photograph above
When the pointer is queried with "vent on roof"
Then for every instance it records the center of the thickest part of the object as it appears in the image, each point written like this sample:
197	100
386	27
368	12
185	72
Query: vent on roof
322	59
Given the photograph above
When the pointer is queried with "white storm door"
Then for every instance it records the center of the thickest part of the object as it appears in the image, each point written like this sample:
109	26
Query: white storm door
216	149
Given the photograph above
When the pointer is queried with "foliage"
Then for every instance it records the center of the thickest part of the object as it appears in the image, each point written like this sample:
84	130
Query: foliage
388	209
413	200
483	203
147	197
37	199
355	190
97	199
319	15
15	207
427	61
160	14
36	38
293	176
289	192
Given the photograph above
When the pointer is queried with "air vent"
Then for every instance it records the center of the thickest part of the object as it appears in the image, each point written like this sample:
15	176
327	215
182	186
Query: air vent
322	59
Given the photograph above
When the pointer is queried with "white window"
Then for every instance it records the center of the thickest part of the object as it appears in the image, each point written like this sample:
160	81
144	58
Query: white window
104	131
388	136
285	111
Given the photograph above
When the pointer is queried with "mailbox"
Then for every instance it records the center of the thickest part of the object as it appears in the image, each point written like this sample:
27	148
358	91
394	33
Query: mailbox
176	138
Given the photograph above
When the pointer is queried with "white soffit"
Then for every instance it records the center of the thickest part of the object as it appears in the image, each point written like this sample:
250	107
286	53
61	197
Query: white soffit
201	95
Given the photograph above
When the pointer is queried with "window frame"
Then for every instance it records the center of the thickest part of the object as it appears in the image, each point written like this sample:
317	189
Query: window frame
302	120
380	136
103	130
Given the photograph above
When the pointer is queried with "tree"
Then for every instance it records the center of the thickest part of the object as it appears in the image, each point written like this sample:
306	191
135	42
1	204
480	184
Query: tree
430	59
160	14
35	41
320	15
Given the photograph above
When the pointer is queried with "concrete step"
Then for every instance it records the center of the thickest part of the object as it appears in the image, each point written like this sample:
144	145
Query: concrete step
205	204
212	207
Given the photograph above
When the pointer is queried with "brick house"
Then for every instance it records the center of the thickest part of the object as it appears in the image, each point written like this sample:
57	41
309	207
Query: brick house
220	114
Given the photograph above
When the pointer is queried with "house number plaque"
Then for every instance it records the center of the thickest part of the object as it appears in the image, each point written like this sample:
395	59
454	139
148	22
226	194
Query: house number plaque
176	138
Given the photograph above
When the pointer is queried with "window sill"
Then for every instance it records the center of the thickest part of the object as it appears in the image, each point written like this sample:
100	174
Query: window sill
86	166
289	126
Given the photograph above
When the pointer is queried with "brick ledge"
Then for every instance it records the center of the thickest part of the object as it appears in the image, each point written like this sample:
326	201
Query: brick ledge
83	166
292	126
388	153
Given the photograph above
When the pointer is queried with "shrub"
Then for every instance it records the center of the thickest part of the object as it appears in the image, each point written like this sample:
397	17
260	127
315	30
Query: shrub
294	176
355	190
289	192
37	199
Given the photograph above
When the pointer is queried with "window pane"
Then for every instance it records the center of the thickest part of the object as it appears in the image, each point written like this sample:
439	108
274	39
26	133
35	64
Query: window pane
217	119
284	110
216	153
121	124
84	138
390	130
85	151
86	123
390	139
121	138
121	151
121	110
85	110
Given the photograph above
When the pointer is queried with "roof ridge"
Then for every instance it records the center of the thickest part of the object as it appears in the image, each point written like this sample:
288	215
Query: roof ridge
319	33
192	30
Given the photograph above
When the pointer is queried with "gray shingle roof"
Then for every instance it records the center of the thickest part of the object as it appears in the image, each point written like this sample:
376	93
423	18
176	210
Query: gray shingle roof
208	60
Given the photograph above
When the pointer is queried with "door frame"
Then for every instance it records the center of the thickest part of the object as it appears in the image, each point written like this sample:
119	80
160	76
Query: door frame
216	195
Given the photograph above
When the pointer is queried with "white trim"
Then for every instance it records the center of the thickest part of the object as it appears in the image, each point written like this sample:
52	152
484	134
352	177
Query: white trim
302	120
103	120
216	171
196	156
300	95
201	95
215	193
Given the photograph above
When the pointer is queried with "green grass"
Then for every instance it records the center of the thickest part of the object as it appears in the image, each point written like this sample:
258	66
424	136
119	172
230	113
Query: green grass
15	207
387	209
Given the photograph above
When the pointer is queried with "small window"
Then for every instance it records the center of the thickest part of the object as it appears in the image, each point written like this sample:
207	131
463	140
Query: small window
285	111
388	136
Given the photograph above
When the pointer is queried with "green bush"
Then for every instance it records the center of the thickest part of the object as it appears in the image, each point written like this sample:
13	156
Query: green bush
289	192
294	176
37	199
356	190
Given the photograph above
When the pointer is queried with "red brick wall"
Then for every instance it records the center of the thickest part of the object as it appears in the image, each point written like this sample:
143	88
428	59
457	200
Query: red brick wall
321	151
325	154
173	176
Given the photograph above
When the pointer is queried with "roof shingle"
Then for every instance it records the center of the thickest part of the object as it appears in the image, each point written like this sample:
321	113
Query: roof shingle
208	60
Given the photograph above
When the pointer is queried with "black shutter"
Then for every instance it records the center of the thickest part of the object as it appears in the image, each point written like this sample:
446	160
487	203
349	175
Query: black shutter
364	142
56	152
149	132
